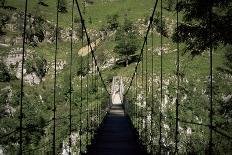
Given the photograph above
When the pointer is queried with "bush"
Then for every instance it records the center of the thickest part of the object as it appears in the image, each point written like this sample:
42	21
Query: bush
37	65
63	6
89	1
4	18
126	39
84	68
4	73
157	23
112	22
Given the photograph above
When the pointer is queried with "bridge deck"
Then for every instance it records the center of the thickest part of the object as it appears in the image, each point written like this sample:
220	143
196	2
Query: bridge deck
116	136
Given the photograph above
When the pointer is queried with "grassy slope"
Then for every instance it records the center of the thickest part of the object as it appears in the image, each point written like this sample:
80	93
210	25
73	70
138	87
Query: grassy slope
135	9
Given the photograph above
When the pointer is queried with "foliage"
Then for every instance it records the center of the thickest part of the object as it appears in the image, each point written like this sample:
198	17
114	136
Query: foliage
112	22
195	28
227	68
35	27
63	6
36	64
157	23
89	1
169	4
4	73
42	2
84	68
4	18
126	39
2	2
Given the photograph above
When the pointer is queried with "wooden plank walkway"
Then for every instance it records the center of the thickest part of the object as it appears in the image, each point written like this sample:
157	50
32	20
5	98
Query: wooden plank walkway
116	136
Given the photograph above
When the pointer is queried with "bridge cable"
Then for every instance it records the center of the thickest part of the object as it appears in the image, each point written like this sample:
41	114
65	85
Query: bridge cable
178	78
152	80
142	73
141	51
97	85
214	128
70	81
92	108
136	94
161	77
139	108
87	99
89	43
146	91
55	80
211	78
81	91
134	101
22	83
95	93
87	85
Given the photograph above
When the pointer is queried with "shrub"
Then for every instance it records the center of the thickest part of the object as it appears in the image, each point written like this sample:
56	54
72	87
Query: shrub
126	39
4	73
112	22
63	6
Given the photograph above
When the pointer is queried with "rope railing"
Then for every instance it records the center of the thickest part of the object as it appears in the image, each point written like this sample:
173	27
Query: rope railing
22	81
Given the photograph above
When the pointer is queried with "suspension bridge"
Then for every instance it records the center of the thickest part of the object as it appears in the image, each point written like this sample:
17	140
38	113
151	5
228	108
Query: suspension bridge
120	125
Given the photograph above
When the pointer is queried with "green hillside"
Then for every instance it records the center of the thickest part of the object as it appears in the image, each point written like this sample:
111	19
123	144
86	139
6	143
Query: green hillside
88	94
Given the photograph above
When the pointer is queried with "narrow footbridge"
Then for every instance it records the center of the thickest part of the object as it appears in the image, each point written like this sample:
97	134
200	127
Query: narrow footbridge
134	121
116	135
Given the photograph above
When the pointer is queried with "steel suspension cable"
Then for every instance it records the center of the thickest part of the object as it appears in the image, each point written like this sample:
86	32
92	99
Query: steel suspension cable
146	90
139	108
211	78
134	105
142	49
97	100
161	76
142	73
87	99
89	43
70	81
136	94
81	103
22	83
55	79
92	108
178	78
95	86
87	85
152	80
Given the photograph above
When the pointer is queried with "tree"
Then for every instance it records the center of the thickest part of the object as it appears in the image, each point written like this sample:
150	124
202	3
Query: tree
41	2
4	18
126	39
4	73
2	2
169	4
157	23
63	6
112	22
227	67
194	30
